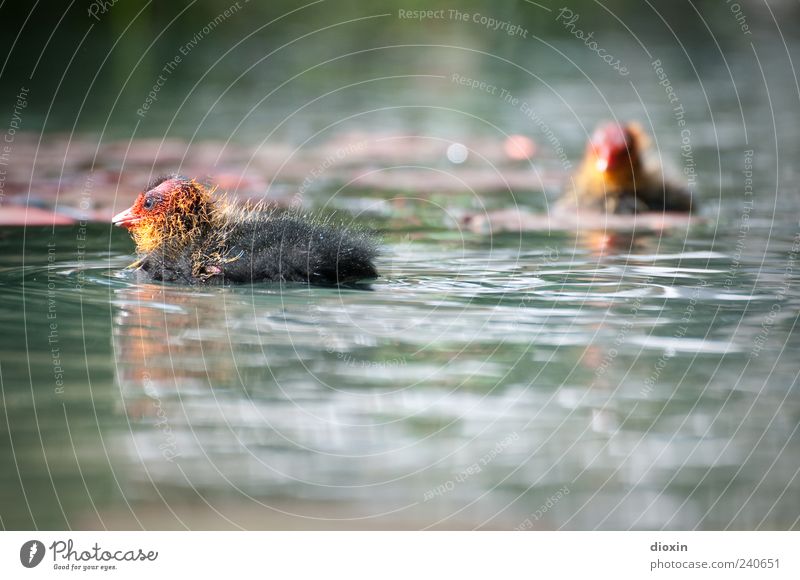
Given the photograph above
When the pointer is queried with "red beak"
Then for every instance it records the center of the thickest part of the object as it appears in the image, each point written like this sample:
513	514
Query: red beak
609	142
603	160
125	219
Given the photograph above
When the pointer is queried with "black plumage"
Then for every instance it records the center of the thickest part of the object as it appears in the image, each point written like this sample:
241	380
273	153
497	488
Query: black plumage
293	248
185	234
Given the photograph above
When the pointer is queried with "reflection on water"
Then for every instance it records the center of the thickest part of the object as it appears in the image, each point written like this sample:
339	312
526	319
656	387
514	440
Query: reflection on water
541	382
538	380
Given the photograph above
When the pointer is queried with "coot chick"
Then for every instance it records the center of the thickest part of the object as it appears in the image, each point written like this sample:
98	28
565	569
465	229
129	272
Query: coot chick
185	233
614	177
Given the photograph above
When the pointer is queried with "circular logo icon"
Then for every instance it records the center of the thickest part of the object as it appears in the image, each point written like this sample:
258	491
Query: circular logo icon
31	553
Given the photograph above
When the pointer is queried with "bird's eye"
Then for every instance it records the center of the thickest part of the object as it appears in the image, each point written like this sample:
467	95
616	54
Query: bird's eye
149	202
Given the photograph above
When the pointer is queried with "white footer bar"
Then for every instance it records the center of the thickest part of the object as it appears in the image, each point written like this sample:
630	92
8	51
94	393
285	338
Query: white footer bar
400	555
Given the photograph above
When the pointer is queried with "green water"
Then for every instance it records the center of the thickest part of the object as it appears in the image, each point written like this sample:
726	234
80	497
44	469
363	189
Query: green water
654	386
540	380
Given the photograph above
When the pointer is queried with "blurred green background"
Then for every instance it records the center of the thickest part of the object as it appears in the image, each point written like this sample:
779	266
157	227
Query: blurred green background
259	64
287	405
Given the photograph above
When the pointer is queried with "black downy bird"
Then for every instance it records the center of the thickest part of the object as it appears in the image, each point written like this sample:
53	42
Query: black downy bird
185	233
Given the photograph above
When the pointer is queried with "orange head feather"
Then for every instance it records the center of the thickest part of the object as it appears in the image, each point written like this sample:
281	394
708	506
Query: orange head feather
169	214
616	149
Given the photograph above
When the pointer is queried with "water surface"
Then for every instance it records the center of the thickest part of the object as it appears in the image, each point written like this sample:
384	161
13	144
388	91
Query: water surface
648	383
535	380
